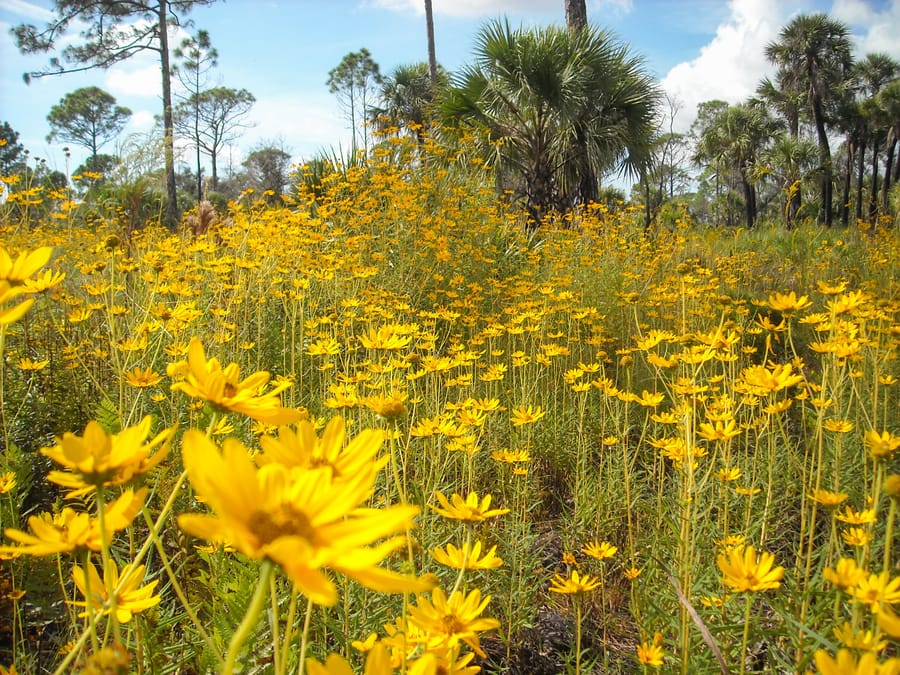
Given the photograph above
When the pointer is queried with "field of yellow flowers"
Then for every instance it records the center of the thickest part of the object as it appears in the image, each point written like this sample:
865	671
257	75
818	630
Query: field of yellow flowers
383	429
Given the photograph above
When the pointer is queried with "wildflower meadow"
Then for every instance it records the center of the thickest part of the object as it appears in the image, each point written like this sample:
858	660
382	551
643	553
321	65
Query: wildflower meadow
382	426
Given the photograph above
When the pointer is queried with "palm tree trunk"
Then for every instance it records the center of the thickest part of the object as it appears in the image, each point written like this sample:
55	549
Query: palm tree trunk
824	147
860	171
848	175
749	201
873	195
576	15
889	162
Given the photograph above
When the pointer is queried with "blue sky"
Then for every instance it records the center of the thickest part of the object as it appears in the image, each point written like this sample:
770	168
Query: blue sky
282	50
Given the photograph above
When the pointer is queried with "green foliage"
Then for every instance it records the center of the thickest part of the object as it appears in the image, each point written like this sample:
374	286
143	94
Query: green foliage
88	117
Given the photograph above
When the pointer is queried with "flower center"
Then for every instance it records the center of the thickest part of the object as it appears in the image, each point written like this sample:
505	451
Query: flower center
452	625
283	521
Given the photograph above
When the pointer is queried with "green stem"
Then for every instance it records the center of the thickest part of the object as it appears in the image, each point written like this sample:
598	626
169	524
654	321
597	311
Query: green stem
747	606
182	597
250	618
304	638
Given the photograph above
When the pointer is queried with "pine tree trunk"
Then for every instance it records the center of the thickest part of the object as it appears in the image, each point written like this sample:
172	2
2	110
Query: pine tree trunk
171	214
432	54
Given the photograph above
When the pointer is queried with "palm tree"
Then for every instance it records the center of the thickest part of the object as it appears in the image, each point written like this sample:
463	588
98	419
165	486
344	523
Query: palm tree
408	99
873	73
888	100
814	52
734	138
559	109
789	159
786	98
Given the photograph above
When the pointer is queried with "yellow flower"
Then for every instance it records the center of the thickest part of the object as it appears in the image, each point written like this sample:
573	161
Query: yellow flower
720	431
787	304
378	662
851	517
70	531
27	263
651	654
469	509
632	573
882	445
145	377
12	314
575	583
98	458
760	381
389	406
856	536
224	389
845	574
302	519
305	449
745	571
526	415
29	365
601	550
828	499
466	558
447	622
831	289
384	337
130	598
862	640
838	426
728	474
889	623
877	590
517	456
846	663
7	482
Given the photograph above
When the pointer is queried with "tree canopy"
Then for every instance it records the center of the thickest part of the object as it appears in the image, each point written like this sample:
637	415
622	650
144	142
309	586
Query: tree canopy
88	117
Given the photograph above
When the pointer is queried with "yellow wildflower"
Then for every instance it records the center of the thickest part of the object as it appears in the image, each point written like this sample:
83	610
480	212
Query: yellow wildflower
129	598
470	509
744	571
304	520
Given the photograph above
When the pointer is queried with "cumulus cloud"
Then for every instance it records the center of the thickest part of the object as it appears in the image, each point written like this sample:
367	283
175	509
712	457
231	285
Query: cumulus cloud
141	121
732	64
874	30
307	125
132	79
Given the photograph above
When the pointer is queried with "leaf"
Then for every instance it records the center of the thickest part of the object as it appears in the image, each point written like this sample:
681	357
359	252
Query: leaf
107	415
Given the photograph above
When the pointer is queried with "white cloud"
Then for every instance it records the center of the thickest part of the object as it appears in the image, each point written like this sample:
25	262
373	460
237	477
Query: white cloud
306	124
29	10
141	121
875	31
130	78
732	64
